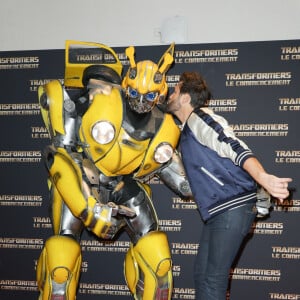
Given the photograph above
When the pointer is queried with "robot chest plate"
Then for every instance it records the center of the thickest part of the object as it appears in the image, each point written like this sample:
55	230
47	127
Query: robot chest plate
124	157
123	154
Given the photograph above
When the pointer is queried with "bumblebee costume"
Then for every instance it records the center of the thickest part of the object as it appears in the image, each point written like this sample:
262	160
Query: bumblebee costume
108	136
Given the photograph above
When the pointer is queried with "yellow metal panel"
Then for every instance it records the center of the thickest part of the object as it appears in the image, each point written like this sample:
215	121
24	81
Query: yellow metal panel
77	63
55	94
106	108
168	132
126	156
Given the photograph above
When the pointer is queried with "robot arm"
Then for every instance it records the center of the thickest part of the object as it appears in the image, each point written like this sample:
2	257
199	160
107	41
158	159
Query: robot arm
66	177
60	117
174	177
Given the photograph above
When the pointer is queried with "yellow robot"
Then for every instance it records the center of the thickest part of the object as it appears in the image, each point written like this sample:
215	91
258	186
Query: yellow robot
107	137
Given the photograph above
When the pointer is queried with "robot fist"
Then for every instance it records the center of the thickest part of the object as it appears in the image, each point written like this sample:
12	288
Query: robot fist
102	219
120	209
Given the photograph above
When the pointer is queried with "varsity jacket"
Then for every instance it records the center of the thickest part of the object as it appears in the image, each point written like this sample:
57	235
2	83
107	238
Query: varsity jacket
213	158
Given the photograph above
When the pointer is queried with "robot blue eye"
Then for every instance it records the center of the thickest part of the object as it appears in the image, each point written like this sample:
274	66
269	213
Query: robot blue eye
151	96
132	93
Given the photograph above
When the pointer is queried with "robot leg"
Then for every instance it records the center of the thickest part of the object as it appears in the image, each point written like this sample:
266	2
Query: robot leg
148	267
58	269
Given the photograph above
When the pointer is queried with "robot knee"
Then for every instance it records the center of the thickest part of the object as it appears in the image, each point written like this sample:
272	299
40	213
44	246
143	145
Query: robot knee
59	265
149	264
154	249
164	267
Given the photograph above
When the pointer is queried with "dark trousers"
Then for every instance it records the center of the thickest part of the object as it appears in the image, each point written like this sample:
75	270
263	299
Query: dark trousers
220	242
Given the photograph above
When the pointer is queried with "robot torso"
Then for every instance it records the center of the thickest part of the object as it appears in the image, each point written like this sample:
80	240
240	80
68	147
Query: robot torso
128	150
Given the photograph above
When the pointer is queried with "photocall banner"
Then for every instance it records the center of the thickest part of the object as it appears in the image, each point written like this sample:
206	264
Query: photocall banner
255	86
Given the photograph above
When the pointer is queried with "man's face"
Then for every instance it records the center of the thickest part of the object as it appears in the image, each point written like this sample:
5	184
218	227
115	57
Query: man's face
174	103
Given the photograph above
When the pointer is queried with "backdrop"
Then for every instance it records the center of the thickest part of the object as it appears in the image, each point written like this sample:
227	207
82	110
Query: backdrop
255	86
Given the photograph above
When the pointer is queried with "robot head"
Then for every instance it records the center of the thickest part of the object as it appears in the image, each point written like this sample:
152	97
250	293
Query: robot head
86	60
145	82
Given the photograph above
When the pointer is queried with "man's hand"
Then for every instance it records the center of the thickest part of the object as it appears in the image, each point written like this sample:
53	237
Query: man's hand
276	186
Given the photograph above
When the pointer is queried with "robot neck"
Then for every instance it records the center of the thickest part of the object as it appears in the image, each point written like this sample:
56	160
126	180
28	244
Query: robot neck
140	126
137	120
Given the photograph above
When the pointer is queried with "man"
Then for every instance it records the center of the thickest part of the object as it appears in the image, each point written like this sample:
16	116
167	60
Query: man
223	174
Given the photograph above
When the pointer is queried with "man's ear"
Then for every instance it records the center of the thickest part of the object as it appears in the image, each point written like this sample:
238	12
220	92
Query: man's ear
186	98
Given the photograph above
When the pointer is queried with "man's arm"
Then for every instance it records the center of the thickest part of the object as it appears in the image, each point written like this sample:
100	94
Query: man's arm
277	187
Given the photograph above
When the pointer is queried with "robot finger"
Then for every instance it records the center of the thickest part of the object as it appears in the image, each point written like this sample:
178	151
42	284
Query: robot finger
121	210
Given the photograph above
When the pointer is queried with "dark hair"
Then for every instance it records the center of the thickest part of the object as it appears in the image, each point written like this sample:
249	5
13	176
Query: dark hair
192	83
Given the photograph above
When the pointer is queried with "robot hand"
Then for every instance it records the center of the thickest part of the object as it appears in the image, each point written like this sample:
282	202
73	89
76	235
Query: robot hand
102	219
263	203
120	209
